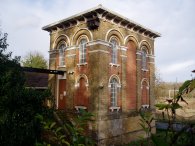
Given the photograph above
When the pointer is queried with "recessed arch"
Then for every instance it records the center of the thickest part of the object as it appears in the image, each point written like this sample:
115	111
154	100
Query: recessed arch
116	77
113	32
145	80
60	44
81	94
145	93
82	37
145	48
131	38
82	76
114	37
81	32
61	38
148	46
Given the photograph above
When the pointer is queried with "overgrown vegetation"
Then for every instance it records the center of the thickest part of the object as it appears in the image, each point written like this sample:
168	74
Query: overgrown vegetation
146	124
69	132
19	107
162	89
25	118
171	136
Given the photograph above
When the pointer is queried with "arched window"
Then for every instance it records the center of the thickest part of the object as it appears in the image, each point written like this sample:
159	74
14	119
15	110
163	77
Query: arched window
82	51
145	92
113	89
62	48
82	92
114	50
144	58
81	96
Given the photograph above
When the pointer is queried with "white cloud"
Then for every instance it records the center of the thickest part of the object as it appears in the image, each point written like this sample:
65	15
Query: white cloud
179	71
23	19
176	67
28	22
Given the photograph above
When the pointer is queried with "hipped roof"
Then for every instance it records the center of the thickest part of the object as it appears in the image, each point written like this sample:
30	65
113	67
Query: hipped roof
102	12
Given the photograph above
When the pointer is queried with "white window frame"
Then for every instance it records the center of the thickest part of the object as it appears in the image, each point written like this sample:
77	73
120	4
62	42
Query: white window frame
82	51
80	107
114	92
144	59
114	53
62	54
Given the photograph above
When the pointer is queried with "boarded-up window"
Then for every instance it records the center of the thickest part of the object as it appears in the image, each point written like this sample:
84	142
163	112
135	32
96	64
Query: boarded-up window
82	93
145	93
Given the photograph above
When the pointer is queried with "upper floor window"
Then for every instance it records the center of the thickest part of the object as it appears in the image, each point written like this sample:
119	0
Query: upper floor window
113	84
62	54
114	51
82	51
144	59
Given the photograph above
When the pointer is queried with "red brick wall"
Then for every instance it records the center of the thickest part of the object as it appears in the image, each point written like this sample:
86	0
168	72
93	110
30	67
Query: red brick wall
131	75
145	93
61	97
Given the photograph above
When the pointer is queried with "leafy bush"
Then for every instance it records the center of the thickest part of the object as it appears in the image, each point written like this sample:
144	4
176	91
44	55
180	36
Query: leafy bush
19	106
185	135
68	132
25	119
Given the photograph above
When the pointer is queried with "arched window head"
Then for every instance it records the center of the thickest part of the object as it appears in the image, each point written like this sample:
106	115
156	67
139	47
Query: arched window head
114	50
81	96
113	84
62	48
82	50
144	58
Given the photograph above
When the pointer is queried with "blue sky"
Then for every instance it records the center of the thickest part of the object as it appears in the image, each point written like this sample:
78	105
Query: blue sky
174	51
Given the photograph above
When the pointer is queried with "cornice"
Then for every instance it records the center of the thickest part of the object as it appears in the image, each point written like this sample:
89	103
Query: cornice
105	14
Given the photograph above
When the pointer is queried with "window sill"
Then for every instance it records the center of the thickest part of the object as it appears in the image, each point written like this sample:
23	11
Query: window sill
80	107
82	64
113	108
146	106
118	85
61	66
113	64
145	70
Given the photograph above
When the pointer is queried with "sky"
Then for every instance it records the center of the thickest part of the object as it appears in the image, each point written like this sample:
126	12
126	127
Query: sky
173	19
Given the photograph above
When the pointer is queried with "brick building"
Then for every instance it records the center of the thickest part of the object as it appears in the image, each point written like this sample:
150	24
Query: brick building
109	64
